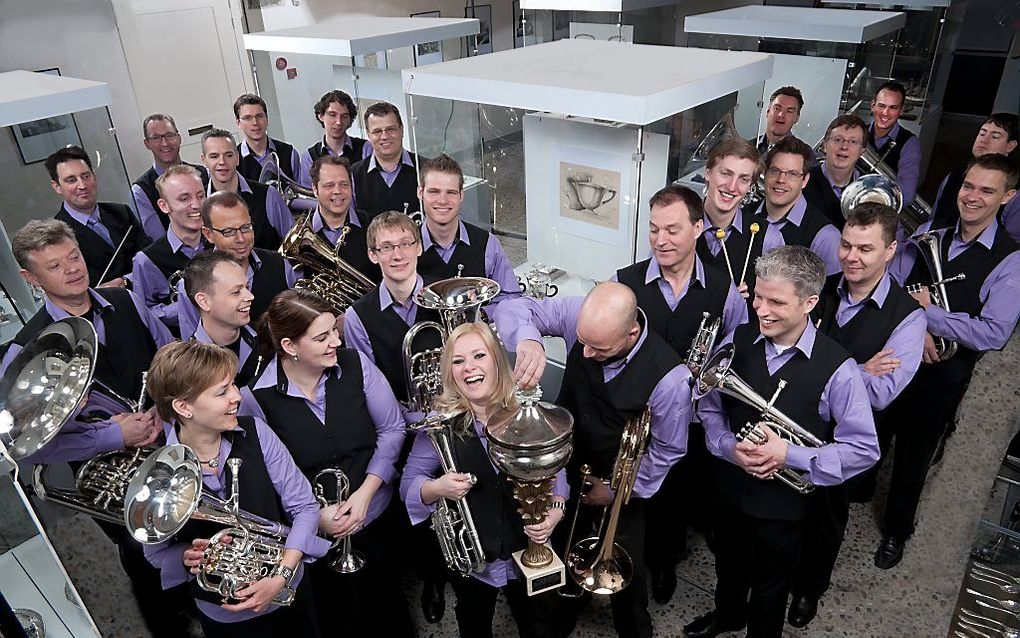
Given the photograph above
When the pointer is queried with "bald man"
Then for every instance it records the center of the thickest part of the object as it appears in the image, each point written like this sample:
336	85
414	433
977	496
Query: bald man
615	367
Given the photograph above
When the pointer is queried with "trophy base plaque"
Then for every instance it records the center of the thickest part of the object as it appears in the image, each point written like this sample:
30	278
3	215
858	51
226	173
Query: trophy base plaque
542	579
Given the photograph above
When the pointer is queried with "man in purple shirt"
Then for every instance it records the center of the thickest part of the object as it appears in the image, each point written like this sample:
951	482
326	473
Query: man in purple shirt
678	292
898	148
785	105
129	335
760	524
450	246
181	196
616	367
982	314
269	213
164	142
335	111
387	179
882	327
845	140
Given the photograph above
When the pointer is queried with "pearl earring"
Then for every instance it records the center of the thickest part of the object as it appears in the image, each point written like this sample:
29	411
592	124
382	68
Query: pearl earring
295	358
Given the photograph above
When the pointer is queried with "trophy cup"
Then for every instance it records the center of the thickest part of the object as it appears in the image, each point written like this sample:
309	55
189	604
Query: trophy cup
530	444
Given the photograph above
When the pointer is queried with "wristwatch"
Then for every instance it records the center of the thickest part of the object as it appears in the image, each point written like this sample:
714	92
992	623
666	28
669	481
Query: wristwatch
286	572
559	505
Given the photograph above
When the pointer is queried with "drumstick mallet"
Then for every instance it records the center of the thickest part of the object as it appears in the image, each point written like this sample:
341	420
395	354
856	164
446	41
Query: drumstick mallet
721	236
754	231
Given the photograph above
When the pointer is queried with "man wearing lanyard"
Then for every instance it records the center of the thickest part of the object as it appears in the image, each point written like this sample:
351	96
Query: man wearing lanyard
898	148
387	179
785	105
99	227
335	111
845	139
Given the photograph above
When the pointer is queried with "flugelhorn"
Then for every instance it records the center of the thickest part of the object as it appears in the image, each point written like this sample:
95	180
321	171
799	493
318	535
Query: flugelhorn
346	560
717	375
928	246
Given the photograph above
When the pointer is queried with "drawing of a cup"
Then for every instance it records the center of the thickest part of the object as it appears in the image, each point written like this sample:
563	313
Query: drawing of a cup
589	195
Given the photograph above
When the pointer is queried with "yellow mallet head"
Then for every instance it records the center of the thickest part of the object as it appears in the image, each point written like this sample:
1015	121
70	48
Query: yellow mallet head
720	234
755	228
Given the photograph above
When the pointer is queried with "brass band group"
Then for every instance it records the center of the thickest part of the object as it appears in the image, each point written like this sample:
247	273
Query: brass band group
287	379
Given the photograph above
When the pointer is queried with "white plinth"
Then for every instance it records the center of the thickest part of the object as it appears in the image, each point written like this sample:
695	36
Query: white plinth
360	35
26	96
798	23
631	83
614	6
906	4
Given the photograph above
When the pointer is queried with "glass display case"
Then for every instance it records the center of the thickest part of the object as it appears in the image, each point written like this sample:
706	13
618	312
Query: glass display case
636	21
570	140
362	56
836	57
42	112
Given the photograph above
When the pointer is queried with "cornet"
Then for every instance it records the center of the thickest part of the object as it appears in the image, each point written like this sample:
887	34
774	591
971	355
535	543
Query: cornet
347	560
703	343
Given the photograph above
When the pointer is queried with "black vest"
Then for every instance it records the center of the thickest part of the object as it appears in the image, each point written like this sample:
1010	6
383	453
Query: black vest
472	256
245	369
269	280
491	500
811	223
167	261
892	159
265	233
129	345
821	197
678	327
251	170
806	380
600	409
386	332
352	152
147	182
258	494
355	248
97	253
347	441
373	196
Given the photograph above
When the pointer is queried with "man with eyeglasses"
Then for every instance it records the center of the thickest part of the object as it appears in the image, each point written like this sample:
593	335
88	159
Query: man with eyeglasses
387	179
899	149
227	226
335	111
164	142
845	140
257	148
784	111
335	219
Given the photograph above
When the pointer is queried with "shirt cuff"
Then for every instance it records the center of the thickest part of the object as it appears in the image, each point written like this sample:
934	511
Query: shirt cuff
529	332
311	545
172	571
799	457
935	316
417	510
109	437
386	471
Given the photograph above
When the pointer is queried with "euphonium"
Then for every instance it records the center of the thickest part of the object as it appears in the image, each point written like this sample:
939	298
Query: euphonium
703	343
928	246
346	559
452	520
167	492
421	368
717	375
879	185
329	275
598	563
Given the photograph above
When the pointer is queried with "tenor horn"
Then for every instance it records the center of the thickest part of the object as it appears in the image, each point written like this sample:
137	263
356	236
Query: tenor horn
274	176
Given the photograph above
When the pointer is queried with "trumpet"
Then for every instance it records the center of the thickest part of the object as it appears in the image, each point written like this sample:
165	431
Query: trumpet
928	245
347	560
703	342
717	375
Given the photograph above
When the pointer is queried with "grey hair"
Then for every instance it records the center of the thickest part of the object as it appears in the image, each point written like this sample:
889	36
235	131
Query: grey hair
38	234
795	264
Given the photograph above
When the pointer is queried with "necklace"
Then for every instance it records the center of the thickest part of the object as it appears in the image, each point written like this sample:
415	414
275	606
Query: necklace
213	462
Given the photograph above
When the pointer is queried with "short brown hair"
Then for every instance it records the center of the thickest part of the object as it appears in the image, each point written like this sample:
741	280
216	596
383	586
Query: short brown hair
37	234
333	160
442	163
289	315
382	109
848	120
198	274
185	369
391	220
248	99
157	117
790	145
734	146
334	96
675	193
224	199
66	154
176	169
788	91
997	162
868	213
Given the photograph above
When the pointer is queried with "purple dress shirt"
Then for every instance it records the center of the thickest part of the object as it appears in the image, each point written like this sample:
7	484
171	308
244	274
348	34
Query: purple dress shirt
383	408
146	213
152	285
671	403
297	499
836	188
187	313
908	173
714	243
825	244
306	158
497	264
391	176
1000	294
92	221
906	342
277	212
1010	218
79	440
423	465
333	234
844	400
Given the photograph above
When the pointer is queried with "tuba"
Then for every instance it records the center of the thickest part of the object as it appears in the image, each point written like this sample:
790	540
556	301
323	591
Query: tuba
717	375
346	560
928	246
599	564
330	276
451	520
703	343
166	492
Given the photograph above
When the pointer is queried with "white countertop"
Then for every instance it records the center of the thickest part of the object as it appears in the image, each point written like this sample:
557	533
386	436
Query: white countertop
798	23
909	4
619	82
26	96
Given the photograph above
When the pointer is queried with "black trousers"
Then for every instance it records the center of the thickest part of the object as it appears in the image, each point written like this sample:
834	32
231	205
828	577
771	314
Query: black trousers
299	619
824	531
476	605
165	612
754	564
370	601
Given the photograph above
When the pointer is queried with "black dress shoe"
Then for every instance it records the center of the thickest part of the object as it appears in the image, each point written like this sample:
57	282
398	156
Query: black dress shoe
709	626
663	584
433	600
889	553
802	610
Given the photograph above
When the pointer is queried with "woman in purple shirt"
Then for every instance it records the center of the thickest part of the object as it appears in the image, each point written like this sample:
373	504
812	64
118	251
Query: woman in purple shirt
333	408
476	383
193	387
